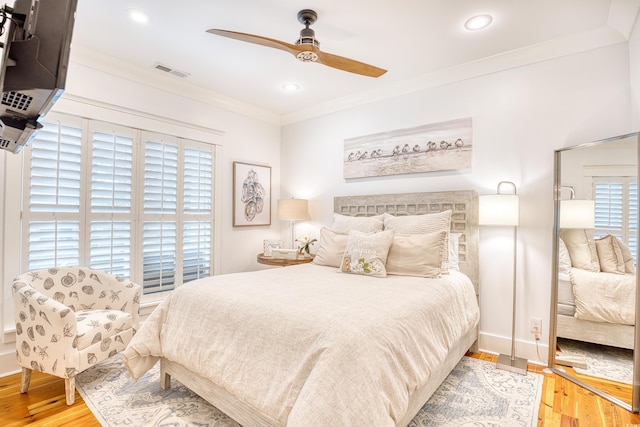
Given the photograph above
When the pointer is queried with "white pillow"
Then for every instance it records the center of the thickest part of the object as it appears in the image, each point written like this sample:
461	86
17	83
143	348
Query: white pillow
454	245
367	253
564	261
582	248
417	254
331	247
343	224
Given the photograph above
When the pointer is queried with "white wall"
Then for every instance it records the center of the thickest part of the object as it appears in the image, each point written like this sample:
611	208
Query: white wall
245	139
520	117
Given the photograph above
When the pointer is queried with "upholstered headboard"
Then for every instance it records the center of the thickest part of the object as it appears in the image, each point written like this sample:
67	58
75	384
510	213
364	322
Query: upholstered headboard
464	218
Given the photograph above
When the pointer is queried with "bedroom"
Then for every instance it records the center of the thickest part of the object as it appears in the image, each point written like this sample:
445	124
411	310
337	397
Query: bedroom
521	114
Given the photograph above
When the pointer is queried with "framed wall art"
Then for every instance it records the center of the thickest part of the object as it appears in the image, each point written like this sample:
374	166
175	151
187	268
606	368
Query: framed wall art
251	194
443	146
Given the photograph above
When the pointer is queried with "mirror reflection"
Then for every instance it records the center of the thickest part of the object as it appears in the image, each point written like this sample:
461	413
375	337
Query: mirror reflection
595	262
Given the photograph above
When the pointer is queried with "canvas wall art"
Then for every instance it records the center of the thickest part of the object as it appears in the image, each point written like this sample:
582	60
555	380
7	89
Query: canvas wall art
251	194
434	147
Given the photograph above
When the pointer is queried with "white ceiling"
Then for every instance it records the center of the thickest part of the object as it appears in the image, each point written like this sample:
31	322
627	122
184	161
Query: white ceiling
419	42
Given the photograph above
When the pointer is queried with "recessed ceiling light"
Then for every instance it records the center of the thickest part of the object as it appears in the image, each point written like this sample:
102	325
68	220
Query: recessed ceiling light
478	22
137	15
291	87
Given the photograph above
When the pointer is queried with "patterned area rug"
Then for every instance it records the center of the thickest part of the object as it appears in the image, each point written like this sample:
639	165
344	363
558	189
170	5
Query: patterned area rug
610	363
474	394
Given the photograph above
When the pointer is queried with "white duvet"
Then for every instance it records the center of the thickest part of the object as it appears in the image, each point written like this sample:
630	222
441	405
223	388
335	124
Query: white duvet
308	346
604	297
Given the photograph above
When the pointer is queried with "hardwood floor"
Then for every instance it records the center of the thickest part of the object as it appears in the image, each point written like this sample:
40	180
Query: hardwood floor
563	403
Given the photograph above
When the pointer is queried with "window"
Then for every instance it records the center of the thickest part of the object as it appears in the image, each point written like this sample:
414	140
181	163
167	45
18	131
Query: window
136	204
616	209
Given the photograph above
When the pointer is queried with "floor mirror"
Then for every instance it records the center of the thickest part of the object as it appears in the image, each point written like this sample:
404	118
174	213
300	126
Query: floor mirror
594	298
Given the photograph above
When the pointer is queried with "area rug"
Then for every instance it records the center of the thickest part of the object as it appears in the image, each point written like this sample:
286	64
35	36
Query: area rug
610	363
474	394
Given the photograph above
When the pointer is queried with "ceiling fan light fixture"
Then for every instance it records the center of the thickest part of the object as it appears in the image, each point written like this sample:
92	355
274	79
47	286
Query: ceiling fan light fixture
478	22
307	56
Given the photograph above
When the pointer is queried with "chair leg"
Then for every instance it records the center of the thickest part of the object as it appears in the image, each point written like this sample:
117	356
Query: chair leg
26	379
70	390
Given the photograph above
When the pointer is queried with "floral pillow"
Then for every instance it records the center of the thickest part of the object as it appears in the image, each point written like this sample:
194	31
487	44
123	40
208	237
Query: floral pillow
367	253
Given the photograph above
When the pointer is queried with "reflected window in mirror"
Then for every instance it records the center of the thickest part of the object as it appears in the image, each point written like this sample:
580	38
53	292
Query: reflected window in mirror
616	209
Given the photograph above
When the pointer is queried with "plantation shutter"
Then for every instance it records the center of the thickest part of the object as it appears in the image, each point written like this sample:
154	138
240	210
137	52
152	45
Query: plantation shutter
129	202
160	215
616	209
111	210
198	205
53	207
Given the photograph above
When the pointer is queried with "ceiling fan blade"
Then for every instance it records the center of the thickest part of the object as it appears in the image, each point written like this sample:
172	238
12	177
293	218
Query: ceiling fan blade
264	41
350	65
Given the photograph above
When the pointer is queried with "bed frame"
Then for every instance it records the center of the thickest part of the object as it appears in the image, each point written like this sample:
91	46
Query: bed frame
610	334
464	205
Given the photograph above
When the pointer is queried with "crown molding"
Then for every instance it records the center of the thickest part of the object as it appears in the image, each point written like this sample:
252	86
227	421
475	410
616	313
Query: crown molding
87	57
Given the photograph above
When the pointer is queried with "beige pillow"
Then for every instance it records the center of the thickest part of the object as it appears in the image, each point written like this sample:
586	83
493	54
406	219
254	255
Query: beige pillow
581	247
417	254
418	224
367	253
627	257
343	224
331	247
610	255
421	224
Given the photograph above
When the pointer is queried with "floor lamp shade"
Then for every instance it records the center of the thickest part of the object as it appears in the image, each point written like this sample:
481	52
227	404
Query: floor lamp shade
293	209
499	209
577	213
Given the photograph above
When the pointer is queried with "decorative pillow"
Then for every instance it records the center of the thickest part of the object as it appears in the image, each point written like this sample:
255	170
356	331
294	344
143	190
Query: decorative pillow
627	257
454	244
367	253
343	224
581	247
418	224
421	224
610	255
417	254
564	260
331	247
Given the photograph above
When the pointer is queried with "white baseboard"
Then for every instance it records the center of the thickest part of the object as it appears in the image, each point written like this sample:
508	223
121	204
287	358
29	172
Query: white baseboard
8	364
526	349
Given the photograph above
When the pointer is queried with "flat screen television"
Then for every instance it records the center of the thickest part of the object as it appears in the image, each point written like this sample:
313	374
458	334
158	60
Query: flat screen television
34	65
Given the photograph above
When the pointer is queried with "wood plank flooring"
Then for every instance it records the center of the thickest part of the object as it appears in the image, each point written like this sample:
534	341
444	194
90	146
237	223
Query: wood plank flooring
563	403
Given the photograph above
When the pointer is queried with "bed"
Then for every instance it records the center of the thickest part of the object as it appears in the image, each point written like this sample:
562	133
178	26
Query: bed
307	345
596	290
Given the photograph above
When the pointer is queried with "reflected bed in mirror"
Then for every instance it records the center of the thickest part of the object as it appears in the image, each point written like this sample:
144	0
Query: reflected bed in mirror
594	262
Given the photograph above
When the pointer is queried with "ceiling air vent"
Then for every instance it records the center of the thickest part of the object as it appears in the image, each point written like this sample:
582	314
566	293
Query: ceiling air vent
167	69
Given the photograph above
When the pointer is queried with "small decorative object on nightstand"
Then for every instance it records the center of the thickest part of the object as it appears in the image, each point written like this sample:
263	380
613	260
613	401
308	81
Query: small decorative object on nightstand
281	262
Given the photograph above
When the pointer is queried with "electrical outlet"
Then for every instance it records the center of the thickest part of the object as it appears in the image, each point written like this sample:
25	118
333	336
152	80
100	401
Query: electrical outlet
535	325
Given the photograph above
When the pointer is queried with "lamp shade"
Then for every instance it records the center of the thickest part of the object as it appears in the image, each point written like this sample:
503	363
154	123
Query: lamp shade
293	209
499	209
577	213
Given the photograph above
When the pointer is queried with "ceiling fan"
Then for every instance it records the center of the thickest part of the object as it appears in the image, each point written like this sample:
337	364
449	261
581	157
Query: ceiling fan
307	47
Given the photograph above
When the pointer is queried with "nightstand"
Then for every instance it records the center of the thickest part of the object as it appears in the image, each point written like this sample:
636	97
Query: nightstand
267	260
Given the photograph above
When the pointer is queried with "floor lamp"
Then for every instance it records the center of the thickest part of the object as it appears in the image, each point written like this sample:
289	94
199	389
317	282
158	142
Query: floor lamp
293	210
503	209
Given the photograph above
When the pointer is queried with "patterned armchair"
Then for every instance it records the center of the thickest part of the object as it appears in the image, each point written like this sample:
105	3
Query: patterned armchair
68	319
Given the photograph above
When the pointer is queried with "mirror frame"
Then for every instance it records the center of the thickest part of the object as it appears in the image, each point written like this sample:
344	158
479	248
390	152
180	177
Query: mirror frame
635	389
